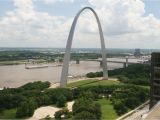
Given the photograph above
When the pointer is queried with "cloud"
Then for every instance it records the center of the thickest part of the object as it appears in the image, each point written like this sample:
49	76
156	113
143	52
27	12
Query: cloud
124	24
54	1
123	17
23	4
27	27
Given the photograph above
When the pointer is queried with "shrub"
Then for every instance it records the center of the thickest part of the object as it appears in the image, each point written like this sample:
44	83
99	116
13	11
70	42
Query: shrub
26	108
64	112
36	85
85	108
134	74
85	115
120	107
61	100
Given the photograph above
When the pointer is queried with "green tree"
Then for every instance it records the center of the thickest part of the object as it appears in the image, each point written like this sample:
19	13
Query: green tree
22	110
85	108
58	115
85	115
44	100
32	105
97	110
120	107
26	108
61	100
132	102
65	112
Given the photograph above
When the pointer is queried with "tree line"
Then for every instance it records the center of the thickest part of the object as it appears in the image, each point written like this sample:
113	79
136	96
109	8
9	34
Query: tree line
26	54
134	74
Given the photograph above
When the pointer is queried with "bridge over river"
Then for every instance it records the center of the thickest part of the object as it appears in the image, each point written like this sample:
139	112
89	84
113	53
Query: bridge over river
121	60
125	61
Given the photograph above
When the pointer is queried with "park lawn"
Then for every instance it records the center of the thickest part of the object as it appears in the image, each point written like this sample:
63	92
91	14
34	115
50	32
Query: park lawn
108	112
93	82
8	114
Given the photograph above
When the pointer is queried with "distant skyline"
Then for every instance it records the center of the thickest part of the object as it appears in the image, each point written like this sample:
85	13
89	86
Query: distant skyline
46	23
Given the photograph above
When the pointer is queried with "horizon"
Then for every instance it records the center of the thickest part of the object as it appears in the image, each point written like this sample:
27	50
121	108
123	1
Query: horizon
82	48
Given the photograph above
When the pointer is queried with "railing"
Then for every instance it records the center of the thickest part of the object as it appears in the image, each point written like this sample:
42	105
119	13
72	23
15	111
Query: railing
133	111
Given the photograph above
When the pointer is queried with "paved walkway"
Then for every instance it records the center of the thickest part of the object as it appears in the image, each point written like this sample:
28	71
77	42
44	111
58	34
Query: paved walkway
42	112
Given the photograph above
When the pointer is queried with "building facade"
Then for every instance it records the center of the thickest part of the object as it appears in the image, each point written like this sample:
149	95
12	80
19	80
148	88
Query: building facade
137	53
155	79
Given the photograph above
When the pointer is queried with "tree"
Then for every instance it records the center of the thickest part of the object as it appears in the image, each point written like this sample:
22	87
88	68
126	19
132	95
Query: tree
65	112
120	107
88	95
132	102
22	110
98	110
61	100
26	108
134	74
58	115
85	115
84	107
44	100
32	105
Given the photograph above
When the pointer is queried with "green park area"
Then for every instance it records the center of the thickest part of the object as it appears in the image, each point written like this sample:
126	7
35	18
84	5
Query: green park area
8	114
93	98
106	105
92	82
107	109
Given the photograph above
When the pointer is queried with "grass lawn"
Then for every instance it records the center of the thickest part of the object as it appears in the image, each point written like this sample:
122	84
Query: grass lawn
93	82
8	114
108	112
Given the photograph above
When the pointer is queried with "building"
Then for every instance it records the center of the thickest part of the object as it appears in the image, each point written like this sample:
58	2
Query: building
155	79
137	53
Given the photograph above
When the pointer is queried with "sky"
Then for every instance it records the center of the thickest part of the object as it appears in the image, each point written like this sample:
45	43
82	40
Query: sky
46	23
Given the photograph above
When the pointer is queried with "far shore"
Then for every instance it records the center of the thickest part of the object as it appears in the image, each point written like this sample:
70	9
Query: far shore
19	62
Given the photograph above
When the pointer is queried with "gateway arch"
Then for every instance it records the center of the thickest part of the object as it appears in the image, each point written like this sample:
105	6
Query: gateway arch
64	73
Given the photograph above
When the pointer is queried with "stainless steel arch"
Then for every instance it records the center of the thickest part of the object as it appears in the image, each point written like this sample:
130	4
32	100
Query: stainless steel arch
64	73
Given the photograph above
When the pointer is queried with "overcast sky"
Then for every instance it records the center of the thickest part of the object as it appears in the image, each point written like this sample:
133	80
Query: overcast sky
46	23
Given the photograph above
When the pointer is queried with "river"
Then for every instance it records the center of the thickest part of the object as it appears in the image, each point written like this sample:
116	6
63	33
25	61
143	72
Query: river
16	75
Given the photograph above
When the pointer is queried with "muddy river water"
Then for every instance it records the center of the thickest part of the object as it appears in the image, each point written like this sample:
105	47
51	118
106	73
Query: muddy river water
17	75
